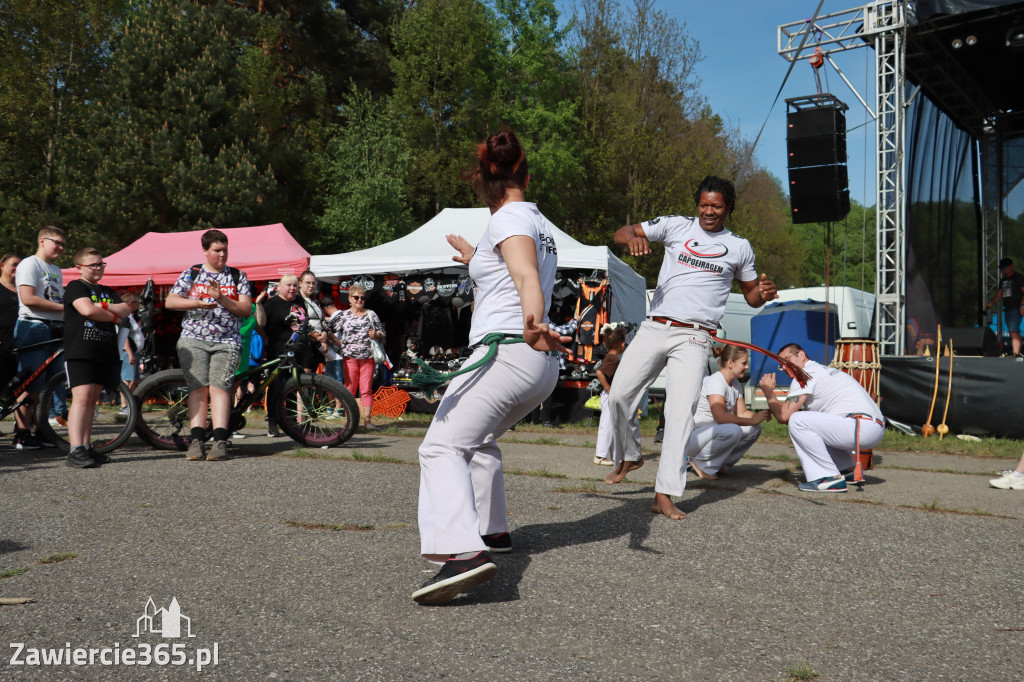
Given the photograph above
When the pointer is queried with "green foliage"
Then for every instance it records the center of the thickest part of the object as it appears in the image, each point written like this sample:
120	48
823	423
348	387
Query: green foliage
444	66
175	145
52	62
846	250
365	169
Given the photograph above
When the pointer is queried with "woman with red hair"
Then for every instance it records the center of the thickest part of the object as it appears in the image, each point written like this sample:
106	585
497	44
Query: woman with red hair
462	511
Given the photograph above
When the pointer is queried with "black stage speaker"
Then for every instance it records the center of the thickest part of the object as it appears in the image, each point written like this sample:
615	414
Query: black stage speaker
816	149
972	341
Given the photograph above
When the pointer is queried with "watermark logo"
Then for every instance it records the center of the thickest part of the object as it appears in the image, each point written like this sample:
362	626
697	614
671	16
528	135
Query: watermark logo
164	622
168	623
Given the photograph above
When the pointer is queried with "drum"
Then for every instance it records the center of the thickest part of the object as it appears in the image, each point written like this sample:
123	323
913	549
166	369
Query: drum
859	358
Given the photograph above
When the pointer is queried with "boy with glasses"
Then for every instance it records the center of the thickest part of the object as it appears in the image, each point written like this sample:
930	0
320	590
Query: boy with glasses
92	312
40	318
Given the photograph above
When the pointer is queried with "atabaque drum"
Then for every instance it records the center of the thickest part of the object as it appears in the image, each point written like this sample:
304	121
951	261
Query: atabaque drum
859	358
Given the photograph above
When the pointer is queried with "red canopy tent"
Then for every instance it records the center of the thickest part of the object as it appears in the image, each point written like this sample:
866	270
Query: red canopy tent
263	253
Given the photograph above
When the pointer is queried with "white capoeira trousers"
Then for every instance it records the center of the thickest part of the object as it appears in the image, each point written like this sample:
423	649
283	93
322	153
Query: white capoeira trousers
604	429
462	490
714	447
683	353
825	442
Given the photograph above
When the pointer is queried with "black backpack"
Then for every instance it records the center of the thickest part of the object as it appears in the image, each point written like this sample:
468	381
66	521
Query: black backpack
236	274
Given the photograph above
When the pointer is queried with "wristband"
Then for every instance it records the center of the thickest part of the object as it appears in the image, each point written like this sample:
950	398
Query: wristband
117	319
103	304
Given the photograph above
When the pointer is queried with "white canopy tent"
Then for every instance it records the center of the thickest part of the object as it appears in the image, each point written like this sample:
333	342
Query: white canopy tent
426	250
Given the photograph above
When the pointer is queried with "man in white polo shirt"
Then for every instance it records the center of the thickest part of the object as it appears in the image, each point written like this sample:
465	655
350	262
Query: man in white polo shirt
702	258
838	414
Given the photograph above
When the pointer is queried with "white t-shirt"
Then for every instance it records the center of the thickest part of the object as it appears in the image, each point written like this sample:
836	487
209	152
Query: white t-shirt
715	385
498	308
833	391
47	280
698	269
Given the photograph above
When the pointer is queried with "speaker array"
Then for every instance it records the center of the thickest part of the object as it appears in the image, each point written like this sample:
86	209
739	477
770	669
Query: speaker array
816	146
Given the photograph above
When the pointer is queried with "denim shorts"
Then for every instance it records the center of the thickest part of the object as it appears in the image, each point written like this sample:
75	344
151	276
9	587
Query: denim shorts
1012	319
27	332
208	363
129	372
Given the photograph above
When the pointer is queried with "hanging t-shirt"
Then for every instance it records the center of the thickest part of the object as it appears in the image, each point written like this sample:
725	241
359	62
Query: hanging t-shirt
716	385
316	315
218	325
47	280
86	339
283	318
1011	288
833	391
698	269
498	308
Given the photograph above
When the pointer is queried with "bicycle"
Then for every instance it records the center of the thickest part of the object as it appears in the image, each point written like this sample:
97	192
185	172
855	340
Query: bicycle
110	430
304	407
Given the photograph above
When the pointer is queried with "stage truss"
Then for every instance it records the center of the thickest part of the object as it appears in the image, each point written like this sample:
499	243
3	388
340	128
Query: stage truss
881	25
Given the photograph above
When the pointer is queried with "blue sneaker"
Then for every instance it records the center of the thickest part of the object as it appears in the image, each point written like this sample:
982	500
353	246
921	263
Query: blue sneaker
849	474
829	484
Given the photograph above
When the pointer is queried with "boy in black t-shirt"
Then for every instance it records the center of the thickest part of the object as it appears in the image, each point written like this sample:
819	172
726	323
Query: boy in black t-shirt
91	314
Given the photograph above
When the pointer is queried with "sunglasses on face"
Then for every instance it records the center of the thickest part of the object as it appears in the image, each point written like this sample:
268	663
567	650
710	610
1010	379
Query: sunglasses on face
356	298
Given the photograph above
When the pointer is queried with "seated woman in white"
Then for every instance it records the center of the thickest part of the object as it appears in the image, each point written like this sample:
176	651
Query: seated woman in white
723	427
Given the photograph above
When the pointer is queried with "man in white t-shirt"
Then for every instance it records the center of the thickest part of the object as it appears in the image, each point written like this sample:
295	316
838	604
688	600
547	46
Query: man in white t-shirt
702	258
40	318
838	417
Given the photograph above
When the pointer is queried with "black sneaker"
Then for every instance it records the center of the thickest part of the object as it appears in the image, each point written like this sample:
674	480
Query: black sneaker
498	542
79	458
659	436
97	457
23	440
42	440
455	577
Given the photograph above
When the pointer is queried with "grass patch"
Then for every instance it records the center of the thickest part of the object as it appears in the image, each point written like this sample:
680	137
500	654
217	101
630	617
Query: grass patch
937	508
13	572
378	456
857	500
583	488
781	457
802	671
57	558
396	526
327	526
539	473
544	440
303	453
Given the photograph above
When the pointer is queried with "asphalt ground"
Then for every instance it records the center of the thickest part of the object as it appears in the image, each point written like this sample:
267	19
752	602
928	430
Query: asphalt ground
299	564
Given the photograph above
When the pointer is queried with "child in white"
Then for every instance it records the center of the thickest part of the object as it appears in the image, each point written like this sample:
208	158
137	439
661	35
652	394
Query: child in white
724	429
615	342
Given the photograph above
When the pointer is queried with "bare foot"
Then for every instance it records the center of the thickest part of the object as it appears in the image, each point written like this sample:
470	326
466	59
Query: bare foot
620	472
701	474
663	505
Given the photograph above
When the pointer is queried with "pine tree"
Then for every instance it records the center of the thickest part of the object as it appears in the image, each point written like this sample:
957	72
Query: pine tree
174	145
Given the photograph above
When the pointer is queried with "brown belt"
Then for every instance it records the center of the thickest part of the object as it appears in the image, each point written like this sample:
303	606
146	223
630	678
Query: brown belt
868	417
689	325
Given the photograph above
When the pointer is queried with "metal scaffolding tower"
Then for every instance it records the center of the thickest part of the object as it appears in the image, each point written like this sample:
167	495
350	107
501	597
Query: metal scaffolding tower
883	26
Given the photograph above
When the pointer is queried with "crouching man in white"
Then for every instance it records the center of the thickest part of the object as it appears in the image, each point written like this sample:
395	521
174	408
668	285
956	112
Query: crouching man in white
723	428
838	415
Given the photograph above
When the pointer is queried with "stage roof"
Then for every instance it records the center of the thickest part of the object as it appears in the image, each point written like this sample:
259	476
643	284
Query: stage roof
967	56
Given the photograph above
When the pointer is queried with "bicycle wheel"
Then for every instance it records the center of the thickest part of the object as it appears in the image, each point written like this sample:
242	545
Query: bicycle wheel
306	411
163	410
110	428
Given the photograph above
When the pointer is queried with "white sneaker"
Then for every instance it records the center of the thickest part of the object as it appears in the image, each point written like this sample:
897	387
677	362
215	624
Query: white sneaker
1008	481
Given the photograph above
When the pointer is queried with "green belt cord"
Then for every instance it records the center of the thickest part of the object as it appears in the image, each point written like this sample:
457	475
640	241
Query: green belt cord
429	379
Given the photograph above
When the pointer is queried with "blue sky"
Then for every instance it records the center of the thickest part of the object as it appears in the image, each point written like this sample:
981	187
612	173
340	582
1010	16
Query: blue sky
742	72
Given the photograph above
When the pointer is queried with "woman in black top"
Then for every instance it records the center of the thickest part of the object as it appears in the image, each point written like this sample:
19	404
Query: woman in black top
91	314
8	316
280	316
